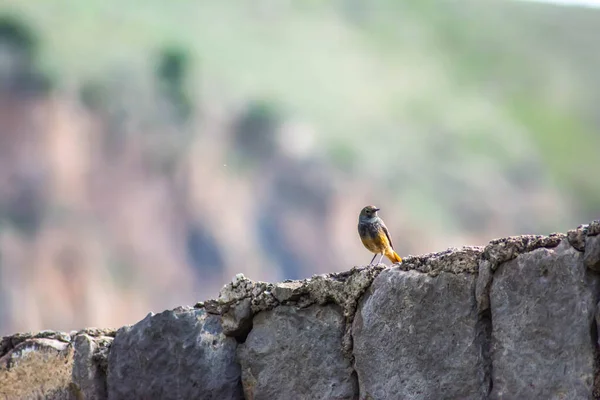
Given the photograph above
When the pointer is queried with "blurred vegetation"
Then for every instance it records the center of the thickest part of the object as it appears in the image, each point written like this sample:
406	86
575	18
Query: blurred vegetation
225	137
19	70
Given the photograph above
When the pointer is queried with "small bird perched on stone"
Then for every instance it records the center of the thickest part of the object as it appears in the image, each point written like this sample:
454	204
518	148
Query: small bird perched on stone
375	235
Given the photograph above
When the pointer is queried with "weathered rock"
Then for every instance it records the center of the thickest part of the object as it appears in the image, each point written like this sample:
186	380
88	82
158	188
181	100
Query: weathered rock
90	365
297	354
242	298
288	291
36	367
97	332
237	320
238	301
591	255
576	237
10	342
543	304
484	283
502	250
418	336
341	288
593	228
177	354
240	288
452	260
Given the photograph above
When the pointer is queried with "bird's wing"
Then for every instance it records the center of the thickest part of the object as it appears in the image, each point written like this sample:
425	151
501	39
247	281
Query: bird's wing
387	233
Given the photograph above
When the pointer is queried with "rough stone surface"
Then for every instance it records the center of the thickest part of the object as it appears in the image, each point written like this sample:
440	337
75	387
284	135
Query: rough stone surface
241	299
502	250
577	237
10	342
178	354
543	304
97	332
419	337
237	303
591	255
484	283
593	228
297	354
90	366
36	367
452	260
237	320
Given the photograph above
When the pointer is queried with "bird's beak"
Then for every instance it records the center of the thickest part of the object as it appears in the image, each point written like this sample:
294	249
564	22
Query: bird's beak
377	209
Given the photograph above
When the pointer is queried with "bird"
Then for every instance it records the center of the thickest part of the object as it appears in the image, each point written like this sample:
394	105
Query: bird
375	235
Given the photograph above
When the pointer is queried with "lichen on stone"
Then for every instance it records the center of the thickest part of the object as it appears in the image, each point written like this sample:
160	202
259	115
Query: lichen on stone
452	260
501	250
10	342
98	332
593	228
576	237
242	298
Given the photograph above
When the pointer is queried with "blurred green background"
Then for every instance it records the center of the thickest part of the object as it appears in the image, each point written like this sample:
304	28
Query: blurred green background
150	151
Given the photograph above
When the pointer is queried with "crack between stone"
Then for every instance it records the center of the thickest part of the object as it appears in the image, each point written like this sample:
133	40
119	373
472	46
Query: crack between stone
484	341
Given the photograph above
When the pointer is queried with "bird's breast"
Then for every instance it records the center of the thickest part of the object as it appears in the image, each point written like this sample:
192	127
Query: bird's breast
373	237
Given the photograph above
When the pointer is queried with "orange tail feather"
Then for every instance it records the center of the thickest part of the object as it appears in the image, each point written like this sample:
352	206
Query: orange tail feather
393	257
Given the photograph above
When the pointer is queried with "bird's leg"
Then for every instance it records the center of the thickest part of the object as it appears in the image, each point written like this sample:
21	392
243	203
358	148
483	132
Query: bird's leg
380	259
371	263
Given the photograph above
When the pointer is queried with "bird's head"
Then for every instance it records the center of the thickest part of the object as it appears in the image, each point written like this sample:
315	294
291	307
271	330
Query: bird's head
368	212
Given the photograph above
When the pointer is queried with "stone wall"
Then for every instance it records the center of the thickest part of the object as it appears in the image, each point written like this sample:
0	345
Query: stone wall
514	320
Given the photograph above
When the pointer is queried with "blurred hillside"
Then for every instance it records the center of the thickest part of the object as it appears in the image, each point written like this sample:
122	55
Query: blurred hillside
149	153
